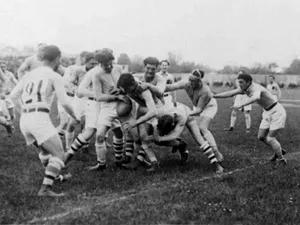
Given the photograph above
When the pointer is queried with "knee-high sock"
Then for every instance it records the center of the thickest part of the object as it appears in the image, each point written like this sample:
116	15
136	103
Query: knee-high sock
44	159
248	120
78	143
129	146
69	139
118	147
52	170
149	152
101	152
232	119
206	148
210	139
275	145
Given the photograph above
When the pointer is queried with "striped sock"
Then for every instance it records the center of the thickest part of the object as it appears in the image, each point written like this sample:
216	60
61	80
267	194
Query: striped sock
118	147
77	144
52	170
129	145
69	139
141	155
44	159
209	152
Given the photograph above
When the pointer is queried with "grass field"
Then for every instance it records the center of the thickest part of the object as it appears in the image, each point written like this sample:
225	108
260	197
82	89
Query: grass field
252	191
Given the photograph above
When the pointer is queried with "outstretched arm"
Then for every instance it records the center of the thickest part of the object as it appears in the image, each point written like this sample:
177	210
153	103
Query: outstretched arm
176	86
16	94
23	68
202	102
228	94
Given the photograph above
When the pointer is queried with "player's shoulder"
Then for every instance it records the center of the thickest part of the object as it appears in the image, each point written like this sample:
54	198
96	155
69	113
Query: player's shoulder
140	88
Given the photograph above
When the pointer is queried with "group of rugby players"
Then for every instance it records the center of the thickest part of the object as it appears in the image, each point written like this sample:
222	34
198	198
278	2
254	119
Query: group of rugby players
93	91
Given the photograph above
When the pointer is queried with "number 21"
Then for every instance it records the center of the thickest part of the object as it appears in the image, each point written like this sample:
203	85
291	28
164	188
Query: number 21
29	89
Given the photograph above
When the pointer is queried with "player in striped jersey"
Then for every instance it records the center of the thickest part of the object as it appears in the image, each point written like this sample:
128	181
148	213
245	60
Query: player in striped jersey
273	117
36	91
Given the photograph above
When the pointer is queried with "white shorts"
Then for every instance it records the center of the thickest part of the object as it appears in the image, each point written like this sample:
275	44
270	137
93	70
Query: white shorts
79	105
63	115
108	115
36	126
92	110
239	100
210	109
274	119
168	99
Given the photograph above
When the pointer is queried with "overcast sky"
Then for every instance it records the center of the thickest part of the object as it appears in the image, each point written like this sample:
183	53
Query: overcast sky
212	32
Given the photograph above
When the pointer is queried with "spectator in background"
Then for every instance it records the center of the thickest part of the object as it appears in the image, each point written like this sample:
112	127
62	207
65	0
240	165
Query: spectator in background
274	88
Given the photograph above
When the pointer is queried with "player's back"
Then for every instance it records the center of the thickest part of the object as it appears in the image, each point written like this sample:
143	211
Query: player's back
38	88
34	62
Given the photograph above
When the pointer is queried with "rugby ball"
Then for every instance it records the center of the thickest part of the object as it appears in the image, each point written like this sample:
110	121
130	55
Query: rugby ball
124	107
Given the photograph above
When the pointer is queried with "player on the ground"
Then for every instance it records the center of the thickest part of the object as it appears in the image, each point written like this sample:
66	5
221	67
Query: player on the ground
34	61
171	122
203	104
274	88
37	90
273	117
5	88
238	100
74	81
169	97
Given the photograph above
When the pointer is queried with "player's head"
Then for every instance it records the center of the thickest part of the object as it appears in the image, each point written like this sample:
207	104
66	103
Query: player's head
51	56
82	57
150	65
245	80
127	83
90	61
164	65
195	78
3	65
40	50
165	125
271	79
105	58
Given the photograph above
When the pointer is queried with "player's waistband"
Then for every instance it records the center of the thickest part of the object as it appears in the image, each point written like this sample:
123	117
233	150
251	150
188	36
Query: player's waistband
70	94
166	94
38	109
271	106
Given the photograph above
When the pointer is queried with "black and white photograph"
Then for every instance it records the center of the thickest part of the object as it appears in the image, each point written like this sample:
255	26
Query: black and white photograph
150	112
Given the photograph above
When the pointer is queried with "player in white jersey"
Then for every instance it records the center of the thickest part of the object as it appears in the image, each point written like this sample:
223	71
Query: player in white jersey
78	103
34	61
171	122
63	116
5	88
238	100
273	117
4	120
274	88
33	97
169	97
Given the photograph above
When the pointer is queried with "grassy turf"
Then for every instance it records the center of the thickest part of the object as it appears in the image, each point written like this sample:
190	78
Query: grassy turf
175	194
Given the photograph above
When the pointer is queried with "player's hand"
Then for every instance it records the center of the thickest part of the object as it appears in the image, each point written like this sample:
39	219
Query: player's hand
144	85
129	125
114	91
150	138
235	107
123	98
79	95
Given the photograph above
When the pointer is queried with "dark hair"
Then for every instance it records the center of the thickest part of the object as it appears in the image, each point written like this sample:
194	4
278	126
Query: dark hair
198	73
165	124
50	53
83	54
89	56
165	60
152	61
125	80
272	76
245	76
104	55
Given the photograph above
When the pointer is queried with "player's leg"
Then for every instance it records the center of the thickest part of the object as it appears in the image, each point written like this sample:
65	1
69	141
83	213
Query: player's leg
204	122
4	119
69	134
247	120
233	116
203	144
54	147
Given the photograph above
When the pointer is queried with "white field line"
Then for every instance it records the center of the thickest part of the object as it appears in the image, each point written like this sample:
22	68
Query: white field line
128	196
290	100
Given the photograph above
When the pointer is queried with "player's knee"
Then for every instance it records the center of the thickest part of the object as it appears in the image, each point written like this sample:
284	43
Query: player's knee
270	139
57	162
203	129
233	113
100	139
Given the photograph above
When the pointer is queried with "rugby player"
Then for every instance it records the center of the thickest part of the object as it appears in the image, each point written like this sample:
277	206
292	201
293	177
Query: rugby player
274	88
273	117
238	100
36	91
203	104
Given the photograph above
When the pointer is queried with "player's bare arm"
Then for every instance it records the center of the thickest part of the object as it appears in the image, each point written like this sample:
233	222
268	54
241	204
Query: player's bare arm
250	100
61	70
176	86
2	76
202	102
175	133
73	80
16	94
60	92
24	67
228	94
152	111
83	88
